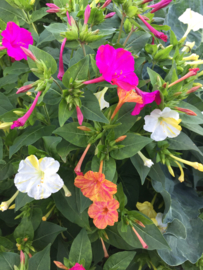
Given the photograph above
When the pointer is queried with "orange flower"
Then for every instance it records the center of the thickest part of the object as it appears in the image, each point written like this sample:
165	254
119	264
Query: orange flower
126	96
104	213
94	186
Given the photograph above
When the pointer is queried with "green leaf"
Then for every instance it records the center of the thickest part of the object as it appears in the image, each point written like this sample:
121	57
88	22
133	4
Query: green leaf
45	234
139	166
131	145
8	260
188	119
64	112
51	143
24	229
21	200
163	53
91	109
60	3
72	134
9	79
1	149
96	16
150	234
109	167
78	72
45	36
38	14
177	229
5	104
29	136
81	249
154	77
48	60
8	13
6	243
183	142
64	148
53	96
41	260
125	118
119	261
16	68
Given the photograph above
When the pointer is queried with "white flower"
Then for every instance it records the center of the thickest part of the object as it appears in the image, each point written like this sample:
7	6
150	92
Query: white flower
4	206
162	226
193	19
100	96
148	163
163	124
188	46
38	178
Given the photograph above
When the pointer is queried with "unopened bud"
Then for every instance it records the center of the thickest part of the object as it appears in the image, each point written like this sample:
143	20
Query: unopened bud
29	54
121	138
87	14
18	246
30	255
140	223
146	1
177	94
12	206
44	218
84	128
106	3
24	88
22	258
25	239
53	8
106	236
110	15
187	111
164	85
193	89
60	265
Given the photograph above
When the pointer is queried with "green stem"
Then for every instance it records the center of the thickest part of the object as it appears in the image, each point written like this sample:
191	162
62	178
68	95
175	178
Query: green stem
83	49
58	84
129	35
34	27
71	56
121	27
47	114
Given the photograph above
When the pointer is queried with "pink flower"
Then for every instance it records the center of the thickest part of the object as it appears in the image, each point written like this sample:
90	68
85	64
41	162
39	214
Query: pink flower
153	30
68	17
106	3
147	98
160	5
87	14
14	38
77	266
110	15
22	258
116	67
53	8
79	115
21	121
192	72
61	67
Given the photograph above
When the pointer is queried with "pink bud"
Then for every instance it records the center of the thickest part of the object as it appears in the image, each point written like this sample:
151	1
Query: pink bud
160	5
152	41
68	17
79	115
110	15
61	67
53	8
22	258
193	89
2	48
29	53
106	3
146	1
24	88
87	14
186	111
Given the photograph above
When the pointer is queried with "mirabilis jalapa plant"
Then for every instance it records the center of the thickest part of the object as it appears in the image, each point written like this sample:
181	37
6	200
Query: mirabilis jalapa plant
101	120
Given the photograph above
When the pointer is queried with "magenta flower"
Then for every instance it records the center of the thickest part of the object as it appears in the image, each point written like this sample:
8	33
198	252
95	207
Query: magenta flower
14	38
61	67
22	120
147	98
77	266
110	15
116	67
154	31
87	14
53	8
79	115
160	5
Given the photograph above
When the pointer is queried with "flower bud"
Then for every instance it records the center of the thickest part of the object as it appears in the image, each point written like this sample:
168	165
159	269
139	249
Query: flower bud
187	111
24	88
22	258
53	8
110	15
106	4
87	14
139	223
60	265
193	89
192	57
84	128
121	138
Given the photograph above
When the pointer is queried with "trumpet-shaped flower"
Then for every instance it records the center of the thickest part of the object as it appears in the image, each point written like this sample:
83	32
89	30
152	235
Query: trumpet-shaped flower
61	67
14	38
94	186
193	19
116	67
162	226
38	178
104	213
147	162
100	96
163	124
126	96
160	5
77	266
147	98
147	209
192	57
188	46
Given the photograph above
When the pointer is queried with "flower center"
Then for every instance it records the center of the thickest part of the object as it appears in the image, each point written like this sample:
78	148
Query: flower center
105	210
41	175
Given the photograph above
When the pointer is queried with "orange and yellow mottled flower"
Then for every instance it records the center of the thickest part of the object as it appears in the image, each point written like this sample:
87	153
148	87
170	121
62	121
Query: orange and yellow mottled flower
94	186
126	96
104	213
